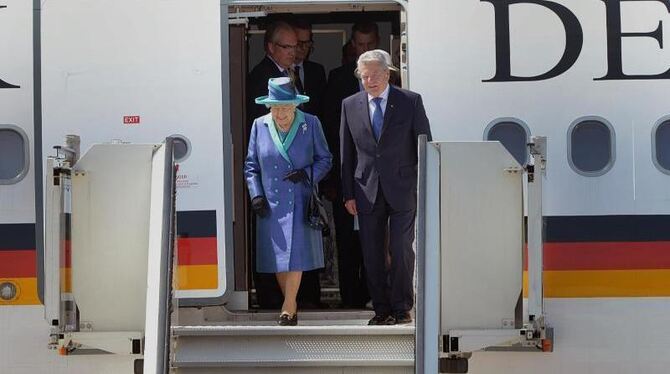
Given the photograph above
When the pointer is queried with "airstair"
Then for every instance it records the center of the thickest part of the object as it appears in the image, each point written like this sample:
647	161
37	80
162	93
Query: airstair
110	259
324	342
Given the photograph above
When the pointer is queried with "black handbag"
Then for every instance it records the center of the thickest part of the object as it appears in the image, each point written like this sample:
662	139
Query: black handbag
316	215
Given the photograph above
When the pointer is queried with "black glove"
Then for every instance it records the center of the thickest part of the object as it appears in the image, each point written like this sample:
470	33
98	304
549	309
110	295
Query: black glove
296	176
260	206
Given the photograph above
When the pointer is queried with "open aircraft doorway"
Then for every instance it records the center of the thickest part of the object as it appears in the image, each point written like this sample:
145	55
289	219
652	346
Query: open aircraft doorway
330	47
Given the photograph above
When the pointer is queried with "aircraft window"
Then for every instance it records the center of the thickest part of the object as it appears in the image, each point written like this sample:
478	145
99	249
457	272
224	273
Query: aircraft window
591	146
13	154
513	134
661	145
182	147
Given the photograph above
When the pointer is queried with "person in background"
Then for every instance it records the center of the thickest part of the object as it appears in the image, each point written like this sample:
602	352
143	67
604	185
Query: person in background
312	75
379	134
287	153
280	42
311	81
342	83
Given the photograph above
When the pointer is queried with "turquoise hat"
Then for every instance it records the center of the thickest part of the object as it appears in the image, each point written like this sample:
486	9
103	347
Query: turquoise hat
281	91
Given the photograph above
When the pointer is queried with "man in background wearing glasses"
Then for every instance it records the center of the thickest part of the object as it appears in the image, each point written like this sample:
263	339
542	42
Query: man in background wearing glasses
312	75
280	42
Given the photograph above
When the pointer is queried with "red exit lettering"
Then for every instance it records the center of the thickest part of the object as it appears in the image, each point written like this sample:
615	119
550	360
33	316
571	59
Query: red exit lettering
131	120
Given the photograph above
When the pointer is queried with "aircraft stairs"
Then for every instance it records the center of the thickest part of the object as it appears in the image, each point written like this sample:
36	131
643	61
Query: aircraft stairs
323	342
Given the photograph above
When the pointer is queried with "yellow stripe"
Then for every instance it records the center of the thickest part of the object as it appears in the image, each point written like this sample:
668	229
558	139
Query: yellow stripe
27	291
66	279
197	277
604	283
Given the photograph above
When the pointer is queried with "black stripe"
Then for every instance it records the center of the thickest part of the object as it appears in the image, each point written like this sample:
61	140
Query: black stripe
632	228
196	224
67	225
19	236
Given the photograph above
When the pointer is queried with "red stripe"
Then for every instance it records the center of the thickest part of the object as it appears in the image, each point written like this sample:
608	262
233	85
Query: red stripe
607	255
197	251
17	264
66	255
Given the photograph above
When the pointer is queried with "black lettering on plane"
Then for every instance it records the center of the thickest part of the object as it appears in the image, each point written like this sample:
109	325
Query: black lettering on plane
4	84
574	38
615	35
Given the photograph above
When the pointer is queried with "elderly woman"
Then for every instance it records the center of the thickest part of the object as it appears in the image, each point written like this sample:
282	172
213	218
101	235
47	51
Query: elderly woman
287	154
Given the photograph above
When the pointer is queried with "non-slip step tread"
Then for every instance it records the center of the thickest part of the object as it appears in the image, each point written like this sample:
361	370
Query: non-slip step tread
314	328
296	363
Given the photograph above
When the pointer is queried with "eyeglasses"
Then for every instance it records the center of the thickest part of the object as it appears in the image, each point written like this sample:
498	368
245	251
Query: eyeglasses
286	46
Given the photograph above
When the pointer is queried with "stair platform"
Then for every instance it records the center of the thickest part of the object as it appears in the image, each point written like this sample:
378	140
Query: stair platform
314	343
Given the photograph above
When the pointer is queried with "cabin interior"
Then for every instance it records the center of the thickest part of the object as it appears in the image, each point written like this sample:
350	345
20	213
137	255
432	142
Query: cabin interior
332	24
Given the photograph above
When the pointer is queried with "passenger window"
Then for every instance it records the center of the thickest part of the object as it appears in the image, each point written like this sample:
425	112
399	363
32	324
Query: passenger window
591	144
513	134
13	154
182	147
661	145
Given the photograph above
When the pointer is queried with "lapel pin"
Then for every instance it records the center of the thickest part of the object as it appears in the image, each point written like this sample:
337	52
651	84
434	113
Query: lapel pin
304	127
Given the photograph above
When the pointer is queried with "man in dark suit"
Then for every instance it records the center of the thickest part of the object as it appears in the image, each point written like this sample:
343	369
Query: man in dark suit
281	44
379	132
342	83
312	75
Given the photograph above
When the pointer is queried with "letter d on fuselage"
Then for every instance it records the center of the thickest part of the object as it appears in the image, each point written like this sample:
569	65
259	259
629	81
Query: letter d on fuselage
574	39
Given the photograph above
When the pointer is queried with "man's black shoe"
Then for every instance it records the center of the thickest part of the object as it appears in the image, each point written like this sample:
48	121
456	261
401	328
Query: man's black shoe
382	320
403	317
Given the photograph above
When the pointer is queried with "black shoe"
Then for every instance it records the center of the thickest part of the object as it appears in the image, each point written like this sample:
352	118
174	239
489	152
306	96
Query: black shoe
382	320
402	317
287	320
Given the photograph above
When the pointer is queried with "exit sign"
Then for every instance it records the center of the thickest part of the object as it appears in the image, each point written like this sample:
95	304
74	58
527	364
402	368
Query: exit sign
131	120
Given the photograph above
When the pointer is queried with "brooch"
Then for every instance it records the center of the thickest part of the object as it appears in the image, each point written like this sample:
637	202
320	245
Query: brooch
304	127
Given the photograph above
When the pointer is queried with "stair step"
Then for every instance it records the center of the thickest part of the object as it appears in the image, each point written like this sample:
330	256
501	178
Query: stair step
273	330
346	344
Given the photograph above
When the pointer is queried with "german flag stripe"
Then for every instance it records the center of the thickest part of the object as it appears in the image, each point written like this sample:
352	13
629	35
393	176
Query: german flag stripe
26	291
604	283
17	237
197	251
607	255
17	264
617	228
196	224
195	277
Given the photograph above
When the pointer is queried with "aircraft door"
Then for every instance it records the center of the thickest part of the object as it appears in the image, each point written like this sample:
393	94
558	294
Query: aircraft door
138	73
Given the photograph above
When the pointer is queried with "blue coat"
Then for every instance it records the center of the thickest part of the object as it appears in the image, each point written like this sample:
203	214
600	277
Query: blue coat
284	242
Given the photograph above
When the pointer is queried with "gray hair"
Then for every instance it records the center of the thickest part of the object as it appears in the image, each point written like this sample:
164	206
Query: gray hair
378	56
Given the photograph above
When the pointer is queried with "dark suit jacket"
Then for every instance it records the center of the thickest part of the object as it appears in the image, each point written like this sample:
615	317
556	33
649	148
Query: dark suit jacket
257	85
315	88
391	163
342	83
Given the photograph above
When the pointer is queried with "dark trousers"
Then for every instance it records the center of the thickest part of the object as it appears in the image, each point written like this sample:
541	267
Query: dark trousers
351	273
390	287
